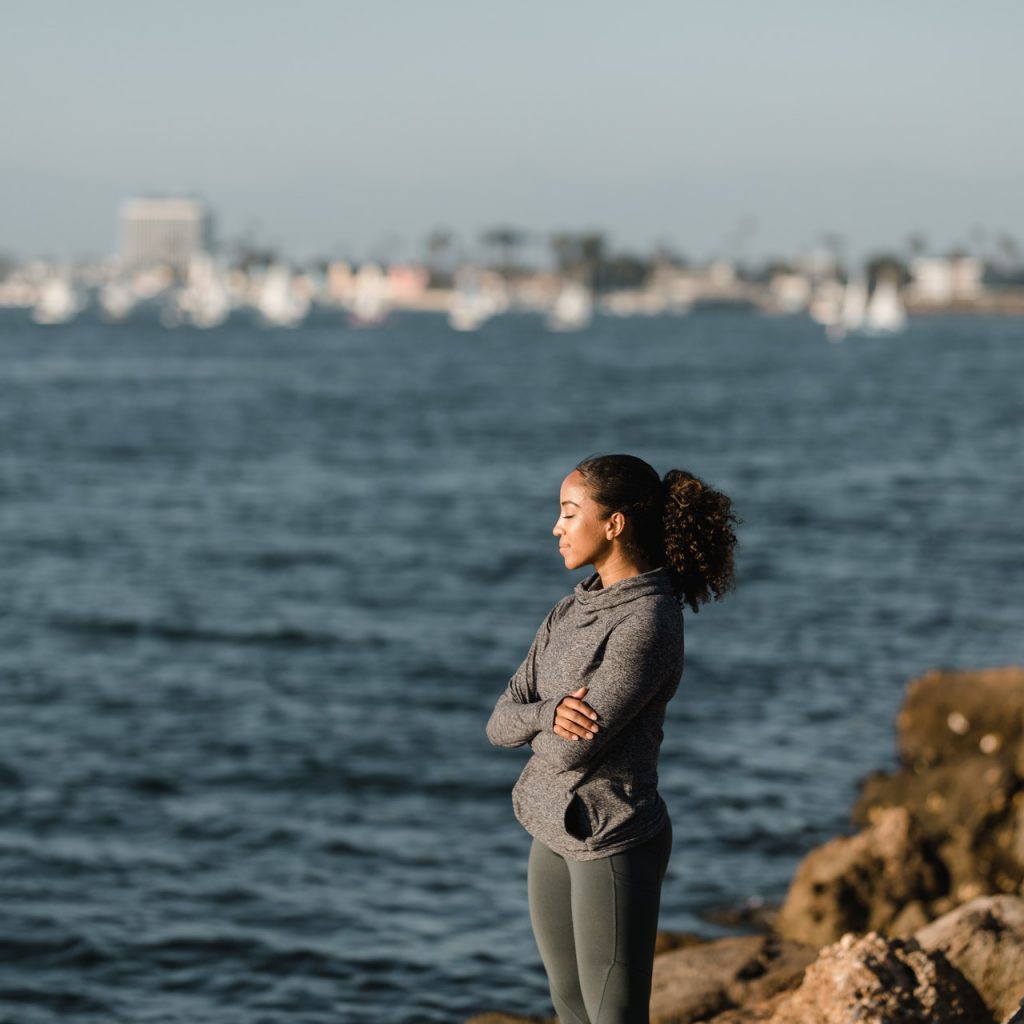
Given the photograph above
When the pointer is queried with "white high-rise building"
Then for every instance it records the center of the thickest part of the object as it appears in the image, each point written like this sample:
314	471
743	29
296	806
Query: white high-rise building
163	232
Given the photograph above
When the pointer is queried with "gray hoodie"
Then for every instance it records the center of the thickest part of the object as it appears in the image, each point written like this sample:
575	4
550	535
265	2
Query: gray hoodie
587	799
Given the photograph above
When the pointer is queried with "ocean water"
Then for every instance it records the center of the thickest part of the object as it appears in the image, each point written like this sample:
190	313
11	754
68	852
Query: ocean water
260	590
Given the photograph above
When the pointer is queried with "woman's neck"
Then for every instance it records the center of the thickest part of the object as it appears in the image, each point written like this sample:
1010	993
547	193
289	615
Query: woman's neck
617	567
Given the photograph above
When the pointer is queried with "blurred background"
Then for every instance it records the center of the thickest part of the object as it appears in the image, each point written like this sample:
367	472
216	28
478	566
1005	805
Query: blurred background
304	315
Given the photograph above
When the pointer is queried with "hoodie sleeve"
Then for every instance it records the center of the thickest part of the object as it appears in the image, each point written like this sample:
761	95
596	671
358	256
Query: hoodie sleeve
520	713
638	660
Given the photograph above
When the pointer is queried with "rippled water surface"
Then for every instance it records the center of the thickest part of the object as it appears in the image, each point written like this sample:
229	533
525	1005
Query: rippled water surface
260	590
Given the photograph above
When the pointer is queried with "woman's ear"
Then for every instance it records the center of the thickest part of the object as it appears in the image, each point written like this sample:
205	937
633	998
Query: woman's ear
614	525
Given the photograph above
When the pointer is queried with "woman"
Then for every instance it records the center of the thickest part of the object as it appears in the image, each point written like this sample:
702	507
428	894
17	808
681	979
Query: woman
590	700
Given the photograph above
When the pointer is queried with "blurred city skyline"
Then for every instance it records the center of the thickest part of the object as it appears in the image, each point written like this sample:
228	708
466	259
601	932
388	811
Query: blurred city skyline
738	130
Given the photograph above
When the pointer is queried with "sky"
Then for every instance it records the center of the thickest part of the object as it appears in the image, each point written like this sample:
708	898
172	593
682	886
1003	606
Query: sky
737	128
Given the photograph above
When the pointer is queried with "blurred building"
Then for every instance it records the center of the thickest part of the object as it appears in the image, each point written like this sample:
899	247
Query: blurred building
163	231
941	281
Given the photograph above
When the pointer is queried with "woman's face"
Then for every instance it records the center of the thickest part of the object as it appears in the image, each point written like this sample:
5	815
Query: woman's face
584	536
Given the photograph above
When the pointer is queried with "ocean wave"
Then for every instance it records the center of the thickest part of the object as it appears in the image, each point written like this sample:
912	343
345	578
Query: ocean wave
259	953
271	636
62	949
61	1001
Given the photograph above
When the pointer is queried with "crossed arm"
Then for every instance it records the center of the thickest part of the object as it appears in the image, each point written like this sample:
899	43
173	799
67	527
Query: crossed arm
569	731
513	723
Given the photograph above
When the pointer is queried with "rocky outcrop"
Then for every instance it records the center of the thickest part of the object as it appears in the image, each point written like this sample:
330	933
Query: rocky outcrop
961	744
868	882
984	941
948	716
969	812
875	980
965	968
699	982
677	940
944	829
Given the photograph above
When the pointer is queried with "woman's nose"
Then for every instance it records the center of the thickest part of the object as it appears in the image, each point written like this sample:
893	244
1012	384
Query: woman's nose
557	529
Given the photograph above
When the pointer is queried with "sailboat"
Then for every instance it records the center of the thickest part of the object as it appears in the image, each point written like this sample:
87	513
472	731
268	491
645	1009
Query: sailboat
370	303
116	300
826	307
205	301
885	313
57	302
852	307
855	304
278	303
573	308
471	306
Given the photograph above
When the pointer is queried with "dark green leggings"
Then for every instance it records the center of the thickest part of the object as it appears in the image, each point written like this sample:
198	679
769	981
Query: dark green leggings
596	922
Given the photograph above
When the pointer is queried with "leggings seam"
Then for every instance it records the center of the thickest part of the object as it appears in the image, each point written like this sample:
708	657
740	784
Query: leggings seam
604	989
615	940
567	1005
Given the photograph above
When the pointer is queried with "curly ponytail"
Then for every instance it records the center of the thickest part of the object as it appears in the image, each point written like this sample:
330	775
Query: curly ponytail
678	522
698	537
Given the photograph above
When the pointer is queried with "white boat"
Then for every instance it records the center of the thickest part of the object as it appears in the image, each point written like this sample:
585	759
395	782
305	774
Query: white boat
827	306
885	313
277	301
204	302
370	302
56	301
850	317
855	304
573	309
116	300
471	306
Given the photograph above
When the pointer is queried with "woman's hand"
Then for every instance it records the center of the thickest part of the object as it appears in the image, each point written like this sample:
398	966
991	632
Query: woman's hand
575	719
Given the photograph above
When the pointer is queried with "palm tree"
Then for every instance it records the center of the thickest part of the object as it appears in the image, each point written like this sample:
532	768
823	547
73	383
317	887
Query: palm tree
917	243
1009	250
439	244
579	255
834	244
507	241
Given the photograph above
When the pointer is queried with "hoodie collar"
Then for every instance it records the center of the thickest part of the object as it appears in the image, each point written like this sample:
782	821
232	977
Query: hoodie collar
592	596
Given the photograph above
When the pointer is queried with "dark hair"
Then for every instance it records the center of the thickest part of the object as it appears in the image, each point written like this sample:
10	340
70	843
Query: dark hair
678	522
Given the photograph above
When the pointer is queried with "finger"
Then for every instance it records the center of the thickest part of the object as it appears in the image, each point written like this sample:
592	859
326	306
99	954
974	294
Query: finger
581	706
571	721
583	730
579	719
574	715
580	692
572	735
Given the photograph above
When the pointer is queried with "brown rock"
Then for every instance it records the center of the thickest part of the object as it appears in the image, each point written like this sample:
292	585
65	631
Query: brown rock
860	883
755	1013
971	812
676	940
962	794
753	916
873	980
947	716
984	940
911	917
701	981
